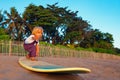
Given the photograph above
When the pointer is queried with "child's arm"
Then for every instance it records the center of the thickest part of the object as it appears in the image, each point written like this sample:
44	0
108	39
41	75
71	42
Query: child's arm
37	50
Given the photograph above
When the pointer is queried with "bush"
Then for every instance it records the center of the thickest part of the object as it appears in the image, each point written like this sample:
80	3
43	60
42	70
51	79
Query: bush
104	50
4	37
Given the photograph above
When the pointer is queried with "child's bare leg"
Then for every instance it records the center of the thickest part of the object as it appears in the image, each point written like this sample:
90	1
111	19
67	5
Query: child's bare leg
27	56
33	59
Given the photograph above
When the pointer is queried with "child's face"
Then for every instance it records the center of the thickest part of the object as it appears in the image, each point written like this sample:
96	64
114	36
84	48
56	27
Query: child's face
38	35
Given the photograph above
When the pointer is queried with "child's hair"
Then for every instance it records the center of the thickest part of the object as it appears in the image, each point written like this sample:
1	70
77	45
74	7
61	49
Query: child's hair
36	30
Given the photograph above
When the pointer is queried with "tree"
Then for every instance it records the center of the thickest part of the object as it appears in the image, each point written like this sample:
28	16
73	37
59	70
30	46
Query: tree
79	28
99	39
52	19
56	21
1	16
16	26
3	34
40	16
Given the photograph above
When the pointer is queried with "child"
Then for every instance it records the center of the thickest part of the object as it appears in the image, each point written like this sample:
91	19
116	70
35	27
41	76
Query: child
31	44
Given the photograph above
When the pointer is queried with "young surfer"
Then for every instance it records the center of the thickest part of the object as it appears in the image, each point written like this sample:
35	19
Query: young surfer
31	44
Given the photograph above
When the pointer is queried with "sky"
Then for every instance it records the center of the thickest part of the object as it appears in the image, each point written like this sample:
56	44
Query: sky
101	14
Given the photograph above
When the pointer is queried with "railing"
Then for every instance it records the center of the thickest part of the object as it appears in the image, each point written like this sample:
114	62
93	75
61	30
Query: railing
15	48
12	48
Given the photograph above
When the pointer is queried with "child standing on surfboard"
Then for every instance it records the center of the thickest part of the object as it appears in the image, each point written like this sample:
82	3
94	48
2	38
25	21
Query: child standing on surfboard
31	44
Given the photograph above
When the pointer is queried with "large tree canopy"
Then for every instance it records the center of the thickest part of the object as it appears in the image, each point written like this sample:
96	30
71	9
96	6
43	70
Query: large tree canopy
57	20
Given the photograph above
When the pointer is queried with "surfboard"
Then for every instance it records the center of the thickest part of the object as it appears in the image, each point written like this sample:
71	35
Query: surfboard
45	67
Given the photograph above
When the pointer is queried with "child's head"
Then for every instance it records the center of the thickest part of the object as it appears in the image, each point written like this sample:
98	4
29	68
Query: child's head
37	31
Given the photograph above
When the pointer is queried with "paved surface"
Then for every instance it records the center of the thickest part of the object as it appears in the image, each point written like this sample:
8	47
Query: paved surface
101	69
